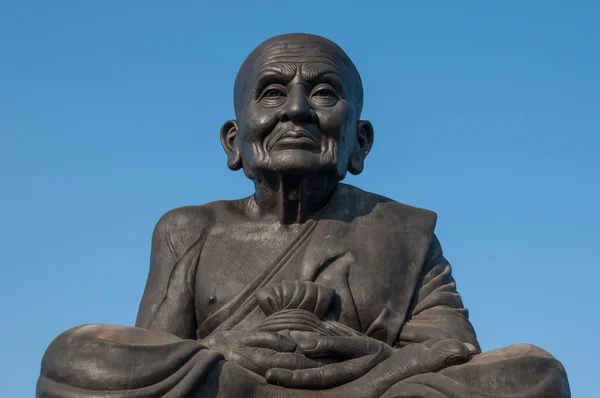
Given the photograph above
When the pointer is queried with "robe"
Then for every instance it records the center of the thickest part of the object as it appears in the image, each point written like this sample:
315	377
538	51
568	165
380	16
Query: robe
209	272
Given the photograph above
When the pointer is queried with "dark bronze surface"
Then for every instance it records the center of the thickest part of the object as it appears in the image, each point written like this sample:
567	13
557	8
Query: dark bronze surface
309	287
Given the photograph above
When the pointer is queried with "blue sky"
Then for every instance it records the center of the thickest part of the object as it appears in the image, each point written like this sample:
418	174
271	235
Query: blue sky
486	112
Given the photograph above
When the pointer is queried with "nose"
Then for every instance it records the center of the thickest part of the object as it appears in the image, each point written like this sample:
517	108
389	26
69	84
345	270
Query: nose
297	108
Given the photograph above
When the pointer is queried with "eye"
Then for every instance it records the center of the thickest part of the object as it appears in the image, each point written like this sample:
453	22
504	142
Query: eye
325	95
272	92
273	96
324	92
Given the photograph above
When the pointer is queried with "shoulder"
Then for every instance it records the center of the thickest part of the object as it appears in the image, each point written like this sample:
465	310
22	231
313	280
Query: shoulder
194	219
385	211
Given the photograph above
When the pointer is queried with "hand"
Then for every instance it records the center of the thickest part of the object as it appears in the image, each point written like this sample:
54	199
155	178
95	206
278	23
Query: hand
260	351
472	349
359	354
408	361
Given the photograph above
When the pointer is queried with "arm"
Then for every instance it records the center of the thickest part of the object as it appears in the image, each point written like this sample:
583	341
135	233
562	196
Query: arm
437	312
168	301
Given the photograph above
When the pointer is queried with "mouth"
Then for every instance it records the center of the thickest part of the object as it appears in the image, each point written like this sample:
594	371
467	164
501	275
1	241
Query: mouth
296	139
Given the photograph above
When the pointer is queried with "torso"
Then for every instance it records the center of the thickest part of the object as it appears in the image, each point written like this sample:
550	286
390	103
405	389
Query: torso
235	251
369	258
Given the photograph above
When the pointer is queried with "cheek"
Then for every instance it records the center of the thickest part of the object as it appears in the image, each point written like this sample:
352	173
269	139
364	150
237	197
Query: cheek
334	121
259	122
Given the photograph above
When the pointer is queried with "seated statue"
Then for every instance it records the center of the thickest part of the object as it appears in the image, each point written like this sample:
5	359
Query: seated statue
309	287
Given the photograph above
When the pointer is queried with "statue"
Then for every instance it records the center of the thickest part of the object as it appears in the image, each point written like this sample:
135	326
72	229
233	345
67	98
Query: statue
309	287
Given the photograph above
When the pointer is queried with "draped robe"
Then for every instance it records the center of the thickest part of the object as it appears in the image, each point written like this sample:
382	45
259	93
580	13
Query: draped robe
208	265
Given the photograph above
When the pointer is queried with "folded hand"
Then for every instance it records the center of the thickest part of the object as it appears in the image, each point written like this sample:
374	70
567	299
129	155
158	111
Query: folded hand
359	354
260	351
369	365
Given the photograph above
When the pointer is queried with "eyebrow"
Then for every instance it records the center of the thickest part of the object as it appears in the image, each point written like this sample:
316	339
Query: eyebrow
284	72
276	73
311	72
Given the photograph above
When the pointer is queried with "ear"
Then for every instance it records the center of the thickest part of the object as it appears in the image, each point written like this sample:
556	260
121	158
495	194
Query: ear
228	133
365	143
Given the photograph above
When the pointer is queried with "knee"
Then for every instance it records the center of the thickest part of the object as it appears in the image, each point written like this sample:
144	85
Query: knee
109	357
541	355
96	355
75	338
518	350
521	353
57	362
77	357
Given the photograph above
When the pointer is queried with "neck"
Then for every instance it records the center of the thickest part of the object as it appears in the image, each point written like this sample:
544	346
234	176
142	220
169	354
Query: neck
292	199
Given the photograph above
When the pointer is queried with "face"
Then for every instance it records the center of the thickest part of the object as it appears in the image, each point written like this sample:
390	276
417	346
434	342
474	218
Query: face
300	114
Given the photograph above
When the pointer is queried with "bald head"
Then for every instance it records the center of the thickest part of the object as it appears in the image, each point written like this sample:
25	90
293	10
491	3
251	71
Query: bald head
289	54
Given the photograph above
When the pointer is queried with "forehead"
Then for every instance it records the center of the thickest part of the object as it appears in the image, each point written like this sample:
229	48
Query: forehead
312	57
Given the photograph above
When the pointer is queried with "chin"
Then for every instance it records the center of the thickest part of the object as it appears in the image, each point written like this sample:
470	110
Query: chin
298	162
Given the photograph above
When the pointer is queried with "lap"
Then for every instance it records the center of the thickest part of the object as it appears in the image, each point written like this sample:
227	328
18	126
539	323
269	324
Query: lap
104	358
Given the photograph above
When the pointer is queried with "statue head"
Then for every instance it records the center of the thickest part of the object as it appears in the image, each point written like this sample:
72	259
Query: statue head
298	100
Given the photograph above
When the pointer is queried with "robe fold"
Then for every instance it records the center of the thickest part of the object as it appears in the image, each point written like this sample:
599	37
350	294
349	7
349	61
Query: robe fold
382	273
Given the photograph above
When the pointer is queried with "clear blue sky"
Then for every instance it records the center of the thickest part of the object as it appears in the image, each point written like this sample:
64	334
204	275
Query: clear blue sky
486	112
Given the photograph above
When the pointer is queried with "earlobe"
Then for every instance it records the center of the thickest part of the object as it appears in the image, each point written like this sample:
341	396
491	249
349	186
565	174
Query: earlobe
365	143
228	133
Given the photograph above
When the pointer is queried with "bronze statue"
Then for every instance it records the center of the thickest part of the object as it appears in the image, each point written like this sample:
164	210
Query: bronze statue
307	288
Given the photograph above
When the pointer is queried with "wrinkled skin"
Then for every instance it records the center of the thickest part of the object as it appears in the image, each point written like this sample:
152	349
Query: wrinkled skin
298	117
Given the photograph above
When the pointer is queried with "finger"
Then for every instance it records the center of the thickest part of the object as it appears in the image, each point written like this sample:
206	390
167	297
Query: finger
316	378
342	346
446	353
472	349
327	376
266	359
270	340
405	362
411	360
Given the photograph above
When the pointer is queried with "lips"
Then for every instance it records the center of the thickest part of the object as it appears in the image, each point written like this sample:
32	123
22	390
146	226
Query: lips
296	139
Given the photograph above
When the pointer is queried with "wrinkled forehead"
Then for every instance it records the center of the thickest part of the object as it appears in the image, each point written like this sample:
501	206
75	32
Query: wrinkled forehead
315	54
